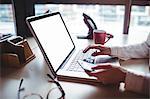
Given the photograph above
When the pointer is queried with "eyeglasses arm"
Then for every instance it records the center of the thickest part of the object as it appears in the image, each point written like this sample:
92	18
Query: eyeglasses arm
58	85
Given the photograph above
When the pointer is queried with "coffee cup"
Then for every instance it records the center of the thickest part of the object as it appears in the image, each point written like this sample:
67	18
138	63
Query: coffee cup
101	37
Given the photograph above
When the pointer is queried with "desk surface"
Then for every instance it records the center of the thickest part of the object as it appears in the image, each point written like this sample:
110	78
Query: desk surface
35	79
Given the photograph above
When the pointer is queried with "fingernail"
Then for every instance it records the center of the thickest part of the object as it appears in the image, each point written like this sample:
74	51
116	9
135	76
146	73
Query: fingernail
93	54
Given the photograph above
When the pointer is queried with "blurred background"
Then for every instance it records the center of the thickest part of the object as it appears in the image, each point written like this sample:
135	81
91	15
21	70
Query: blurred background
106	17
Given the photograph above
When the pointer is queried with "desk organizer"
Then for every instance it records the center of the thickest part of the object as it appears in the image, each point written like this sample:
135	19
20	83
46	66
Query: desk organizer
15	52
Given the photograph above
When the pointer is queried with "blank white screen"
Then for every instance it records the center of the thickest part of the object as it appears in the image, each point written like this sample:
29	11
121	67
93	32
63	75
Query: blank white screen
54	39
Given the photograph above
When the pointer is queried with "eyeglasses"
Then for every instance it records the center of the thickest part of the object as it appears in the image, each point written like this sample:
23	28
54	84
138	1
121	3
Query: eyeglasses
54	93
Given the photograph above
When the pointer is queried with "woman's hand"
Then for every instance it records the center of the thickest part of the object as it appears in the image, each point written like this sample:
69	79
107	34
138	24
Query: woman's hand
108	74
102	50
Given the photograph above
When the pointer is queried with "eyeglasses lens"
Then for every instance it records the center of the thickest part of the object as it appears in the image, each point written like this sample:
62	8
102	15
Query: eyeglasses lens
55	93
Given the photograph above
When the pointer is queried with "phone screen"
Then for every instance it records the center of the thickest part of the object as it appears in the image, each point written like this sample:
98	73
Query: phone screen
86	66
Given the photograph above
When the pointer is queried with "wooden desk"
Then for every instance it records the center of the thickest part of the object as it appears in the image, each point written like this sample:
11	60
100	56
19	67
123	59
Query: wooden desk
35	79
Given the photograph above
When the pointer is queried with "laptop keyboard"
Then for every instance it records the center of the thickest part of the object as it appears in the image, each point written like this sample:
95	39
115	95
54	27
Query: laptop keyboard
74	66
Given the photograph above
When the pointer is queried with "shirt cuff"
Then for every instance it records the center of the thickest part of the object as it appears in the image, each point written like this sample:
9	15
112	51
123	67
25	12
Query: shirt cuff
117	52
114	51
137	83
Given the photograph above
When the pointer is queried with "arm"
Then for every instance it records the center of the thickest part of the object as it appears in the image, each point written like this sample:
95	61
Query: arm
126	52
132	51
109	74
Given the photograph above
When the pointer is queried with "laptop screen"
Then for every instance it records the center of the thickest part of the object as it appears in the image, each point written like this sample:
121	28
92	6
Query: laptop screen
53	36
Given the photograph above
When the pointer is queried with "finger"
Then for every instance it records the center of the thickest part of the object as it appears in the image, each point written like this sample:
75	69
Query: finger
92	73
95	73
100	47
99	53
105	66
95	53
88	48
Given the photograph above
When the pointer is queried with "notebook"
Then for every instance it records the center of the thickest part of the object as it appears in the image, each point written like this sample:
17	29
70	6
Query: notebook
58	47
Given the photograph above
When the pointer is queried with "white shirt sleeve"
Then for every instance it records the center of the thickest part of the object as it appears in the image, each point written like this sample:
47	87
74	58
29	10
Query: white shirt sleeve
138	83
132	51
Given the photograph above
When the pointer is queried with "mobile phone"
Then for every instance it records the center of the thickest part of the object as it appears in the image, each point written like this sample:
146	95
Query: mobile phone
85	65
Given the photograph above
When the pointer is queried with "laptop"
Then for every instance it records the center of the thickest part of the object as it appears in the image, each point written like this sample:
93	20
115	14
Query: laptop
58	47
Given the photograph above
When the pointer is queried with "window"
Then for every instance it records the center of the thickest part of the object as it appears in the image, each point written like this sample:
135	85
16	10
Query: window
140	19
6	19
106	17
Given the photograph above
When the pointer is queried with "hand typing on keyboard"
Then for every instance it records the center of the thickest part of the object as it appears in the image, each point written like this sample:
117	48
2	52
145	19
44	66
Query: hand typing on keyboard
100	50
